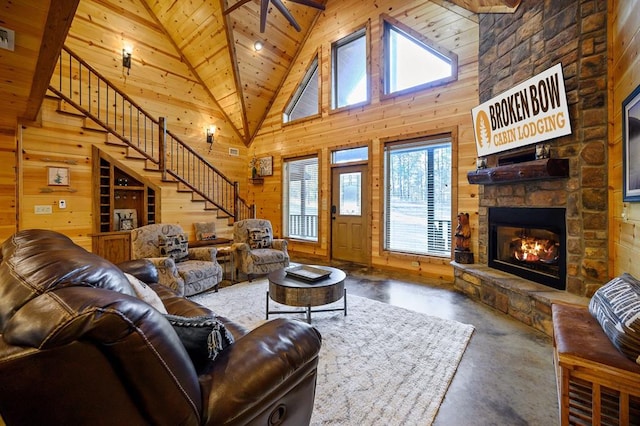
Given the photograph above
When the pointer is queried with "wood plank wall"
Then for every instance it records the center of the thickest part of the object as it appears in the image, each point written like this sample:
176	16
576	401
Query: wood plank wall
444	109
159	80
62	140
8	199
624	77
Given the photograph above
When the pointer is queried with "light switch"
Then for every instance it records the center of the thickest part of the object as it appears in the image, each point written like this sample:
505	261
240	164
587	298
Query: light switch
42	209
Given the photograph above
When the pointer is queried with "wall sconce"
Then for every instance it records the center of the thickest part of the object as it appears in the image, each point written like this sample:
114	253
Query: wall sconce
211	131
126	58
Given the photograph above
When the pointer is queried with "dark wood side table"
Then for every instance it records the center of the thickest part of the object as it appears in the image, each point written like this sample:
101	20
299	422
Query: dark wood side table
291	291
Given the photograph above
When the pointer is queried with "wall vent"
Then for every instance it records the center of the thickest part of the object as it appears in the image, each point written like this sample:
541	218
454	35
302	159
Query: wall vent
234	152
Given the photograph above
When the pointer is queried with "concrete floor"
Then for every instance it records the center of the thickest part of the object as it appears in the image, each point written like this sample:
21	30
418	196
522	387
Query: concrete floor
506	376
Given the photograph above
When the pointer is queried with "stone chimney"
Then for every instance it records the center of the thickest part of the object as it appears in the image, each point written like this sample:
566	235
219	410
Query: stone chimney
515	47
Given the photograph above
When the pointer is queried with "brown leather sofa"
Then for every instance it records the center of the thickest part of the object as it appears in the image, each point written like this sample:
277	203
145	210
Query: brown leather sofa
77	347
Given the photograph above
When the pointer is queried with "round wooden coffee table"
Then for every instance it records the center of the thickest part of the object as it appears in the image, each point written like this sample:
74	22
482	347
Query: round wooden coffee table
291	291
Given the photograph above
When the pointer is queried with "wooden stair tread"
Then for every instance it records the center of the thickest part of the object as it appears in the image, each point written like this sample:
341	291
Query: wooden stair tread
125	150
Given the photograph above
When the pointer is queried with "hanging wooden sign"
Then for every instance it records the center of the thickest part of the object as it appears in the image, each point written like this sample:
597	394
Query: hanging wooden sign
533	111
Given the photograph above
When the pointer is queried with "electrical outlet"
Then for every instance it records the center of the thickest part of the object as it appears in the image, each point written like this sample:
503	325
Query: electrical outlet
414	263
42	210
62	204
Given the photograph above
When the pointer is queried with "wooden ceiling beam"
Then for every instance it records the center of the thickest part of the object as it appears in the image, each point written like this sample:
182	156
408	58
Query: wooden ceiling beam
488	6
228	29
235	6
59	18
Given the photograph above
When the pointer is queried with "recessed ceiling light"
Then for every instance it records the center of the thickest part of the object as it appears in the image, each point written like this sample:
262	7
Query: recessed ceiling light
258	45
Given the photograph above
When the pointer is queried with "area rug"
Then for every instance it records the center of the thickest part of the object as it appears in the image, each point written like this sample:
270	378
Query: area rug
380	364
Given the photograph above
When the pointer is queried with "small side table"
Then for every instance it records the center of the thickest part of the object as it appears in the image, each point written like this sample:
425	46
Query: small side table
228	257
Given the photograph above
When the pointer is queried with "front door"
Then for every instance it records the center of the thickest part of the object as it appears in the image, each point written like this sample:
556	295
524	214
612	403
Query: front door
350	230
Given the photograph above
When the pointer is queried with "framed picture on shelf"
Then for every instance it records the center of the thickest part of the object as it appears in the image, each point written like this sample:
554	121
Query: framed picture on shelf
265	166
125	219
631	146
58	176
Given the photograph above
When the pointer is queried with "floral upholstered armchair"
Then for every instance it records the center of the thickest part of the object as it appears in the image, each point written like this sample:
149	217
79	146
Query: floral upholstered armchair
186	270
257	252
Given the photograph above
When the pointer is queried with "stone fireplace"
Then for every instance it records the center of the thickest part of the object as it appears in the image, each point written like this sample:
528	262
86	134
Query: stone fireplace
529	243
526	259
513	48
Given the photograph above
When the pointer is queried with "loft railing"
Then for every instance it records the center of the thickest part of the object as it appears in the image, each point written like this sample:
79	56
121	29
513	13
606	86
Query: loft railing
84	88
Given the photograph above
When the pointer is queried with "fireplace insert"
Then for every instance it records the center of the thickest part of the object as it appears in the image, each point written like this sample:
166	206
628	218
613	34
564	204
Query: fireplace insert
530	243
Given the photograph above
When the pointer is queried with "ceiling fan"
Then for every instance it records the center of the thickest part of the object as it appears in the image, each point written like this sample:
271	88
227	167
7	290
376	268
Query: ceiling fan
264	6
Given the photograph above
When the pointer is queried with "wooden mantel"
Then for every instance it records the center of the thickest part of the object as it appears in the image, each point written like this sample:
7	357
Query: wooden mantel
549	168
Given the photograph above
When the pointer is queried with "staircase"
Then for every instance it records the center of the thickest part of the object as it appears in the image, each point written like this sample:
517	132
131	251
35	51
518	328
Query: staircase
85	89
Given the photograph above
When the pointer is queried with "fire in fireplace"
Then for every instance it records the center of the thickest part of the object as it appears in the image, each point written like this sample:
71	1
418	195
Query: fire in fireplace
530	243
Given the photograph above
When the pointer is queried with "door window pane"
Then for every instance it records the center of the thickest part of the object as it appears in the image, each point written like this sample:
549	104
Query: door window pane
350	194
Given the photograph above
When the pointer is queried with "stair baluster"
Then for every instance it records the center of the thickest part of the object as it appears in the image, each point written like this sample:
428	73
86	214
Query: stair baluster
80	85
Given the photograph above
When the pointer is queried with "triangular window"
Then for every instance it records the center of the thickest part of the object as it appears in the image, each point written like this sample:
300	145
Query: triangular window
412	63
305	100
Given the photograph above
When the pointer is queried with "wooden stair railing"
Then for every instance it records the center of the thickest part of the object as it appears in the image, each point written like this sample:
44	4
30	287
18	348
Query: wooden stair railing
80	85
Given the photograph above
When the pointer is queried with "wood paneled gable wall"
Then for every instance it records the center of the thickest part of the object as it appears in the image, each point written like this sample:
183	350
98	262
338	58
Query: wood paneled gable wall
435	110
65	138
161	83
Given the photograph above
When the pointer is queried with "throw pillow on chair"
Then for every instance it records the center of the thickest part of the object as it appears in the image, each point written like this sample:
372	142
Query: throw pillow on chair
260	238
175	246
204	337
205	231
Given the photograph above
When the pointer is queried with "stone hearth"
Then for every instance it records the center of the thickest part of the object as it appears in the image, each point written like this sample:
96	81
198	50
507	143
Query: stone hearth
524	300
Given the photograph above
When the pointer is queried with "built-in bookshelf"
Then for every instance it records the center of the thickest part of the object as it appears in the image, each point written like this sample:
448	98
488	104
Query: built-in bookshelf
123	200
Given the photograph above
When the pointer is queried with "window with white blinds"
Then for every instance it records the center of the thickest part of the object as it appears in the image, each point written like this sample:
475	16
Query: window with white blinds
300	198
417	211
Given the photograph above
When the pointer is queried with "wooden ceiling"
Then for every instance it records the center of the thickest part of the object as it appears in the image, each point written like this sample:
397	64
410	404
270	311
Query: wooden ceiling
206	48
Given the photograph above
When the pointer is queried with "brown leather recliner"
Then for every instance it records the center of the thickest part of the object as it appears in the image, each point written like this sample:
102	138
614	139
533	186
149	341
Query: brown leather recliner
77	347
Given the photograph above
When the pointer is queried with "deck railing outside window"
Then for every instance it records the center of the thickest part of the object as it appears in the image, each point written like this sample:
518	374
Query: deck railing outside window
303	226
